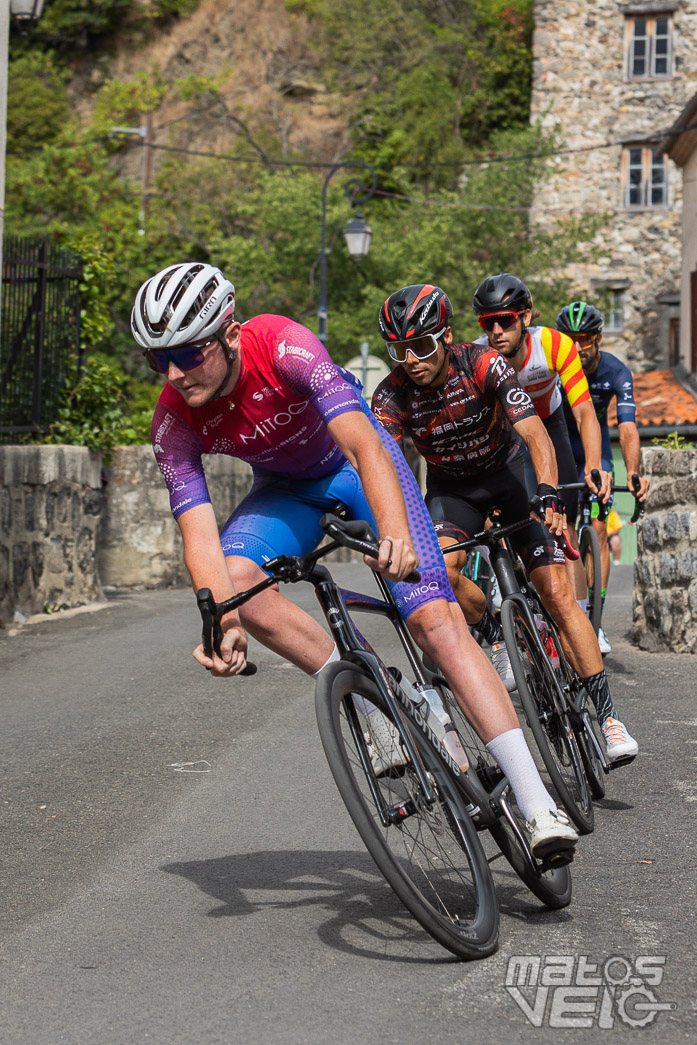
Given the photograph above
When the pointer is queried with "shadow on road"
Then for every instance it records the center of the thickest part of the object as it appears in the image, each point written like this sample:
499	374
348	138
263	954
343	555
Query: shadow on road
364	916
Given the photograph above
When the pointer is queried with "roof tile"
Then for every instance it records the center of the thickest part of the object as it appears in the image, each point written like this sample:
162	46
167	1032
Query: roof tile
660	400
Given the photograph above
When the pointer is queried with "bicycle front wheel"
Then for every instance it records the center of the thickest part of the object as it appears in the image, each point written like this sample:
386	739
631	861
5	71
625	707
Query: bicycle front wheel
430	854
589	547
545	710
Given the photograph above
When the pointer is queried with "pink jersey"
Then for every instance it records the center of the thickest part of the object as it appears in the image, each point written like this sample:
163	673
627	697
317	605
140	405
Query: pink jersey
275	417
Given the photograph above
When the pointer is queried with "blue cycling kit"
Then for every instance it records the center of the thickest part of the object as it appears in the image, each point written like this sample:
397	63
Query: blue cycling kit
611	378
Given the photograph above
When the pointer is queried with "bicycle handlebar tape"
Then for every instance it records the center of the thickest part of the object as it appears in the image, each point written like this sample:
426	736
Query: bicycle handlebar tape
568	549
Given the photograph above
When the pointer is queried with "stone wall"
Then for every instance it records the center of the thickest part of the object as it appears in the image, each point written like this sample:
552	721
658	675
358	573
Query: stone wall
69	528
665	572
140	542
50	508
581	90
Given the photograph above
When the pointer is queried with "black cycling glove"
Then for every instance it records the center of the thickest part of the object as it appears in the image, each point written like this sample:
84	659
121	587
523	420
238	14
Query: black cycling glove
549	496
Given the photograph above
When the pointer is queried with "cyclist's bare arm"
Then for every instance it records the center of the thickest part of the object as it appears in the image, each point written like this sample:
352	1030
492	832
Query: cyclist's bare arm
630	447
205	562
361	445
544	461
589	430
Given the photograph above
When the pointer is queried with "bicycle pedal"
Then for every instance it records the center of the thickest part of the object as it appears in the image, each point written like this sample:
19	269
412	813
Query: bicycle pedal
556	860
619	762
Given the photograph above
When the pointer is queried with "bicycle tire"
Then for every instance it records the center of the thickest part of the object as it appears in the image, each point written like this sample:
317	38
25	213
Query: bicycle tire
589	547
433	859
544	707
552	887
595	774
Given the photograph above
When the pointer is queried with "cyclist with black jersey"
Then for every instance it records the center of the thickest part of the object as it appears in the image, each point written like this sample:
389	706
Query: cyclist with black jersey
607	378
468	416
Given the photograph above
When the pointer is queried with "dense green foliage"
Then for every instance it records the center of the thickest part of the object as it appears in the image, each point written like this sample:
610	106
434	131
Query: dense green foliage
437	100
93	408
74	26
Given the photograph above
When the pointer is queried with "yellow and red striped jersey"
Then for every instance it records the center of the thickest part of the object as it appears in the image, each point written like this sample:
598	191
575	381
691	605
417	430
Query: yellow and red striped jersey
551	354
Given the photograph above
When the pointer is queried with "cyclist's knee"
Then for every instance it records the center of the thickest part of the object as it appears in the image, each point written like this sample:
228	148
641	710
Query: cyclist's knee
556	593
436	621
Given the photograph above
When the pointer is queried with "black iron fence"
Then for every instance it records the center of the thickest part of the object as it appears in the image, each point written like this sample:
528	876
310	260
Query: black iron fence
39	332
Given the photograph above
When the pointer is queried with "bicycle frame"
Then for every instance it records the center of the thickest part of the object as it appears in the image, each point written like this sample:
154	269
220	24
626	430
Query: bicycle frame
337	604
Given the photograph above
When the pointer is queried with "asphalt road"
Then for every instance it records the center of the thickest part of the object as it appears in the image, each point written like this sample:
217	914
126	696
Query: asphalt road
177	866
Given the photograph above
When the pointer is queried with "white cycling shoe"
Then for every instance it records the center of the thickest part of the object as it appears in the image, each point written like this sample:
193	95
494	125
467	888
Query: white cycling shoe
618	742
384	747
604	642
550	831
502	663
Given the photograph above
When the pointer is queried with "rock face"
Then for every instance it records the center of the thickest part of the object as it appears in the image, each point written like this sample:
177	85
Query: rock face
582	90
665	572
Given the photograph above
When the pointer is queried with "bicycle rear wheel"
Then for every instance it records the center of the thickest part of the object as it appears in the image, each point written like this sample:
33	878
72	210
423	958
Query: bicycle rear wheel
431	856
551	885
589	547
544	705
592	764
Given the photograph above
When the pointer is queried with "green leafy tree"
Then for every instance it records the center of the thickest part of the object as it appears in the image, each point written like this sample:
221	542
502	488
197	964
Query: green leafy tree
37	102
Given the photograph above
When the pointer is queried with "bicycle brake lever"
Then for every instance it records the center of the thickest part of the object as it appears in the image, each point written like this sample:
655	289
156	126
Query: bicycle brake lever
212	632
639	506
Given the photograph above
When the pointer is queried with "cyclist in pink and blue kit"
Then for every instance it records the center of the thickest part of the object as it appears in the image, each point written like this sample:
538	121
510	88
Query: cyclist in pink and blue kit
267	392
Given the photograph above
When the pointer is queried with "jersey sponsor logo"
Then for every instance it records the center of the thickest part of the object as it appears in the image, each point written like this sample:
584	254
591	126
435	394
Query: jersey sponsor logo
295	350
343	387
518	397
187	500
422	589
212	423
269	424
264	392
162	430
498	365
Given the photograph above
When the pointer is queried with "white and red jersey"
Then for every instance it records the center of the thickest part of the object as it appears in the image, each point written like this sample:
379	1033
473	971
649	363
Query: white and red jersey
550	354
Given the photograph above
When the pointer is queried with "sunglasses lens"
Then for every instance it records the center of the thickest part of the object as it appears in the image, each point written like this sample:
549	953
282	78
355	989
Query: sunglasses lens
505	320
584	340
419	347
187	357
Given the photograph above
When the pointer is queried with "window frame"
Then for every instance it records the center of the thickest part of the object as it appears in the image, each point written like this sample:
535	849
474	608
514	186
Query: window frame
651	19
650	165
614	313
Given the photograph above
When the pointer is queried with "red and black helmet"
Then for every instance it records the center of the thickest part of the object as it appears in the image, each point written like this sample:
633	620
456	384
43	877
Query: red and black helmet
413	311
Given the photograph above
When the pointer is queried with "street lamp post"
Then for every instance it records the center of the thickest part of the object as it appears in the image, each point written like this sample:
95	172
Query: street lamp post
357	232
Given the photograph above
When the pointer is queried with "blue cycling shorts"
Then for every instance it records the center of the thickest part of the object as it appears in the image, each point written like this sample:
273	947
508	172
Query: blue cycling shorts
280	516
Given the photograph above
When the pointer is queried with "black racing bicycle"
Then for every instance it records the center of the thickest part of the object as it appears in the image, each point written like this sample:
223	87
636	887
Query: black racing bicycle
551	695
588	540
429	824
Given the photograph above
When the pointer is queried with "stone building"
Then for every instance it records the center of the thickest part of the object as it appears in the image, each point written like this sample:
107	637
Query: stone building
611	78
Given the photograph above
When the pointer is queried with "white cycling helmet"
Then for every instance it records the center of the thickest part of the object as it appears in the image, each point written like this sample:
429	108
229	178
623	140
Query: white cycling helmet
181	304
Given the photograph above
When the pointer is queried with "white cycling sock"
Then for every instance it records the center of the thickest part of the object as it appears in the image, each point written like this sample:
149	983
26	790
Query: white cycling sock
583	603
361	703
330	660
512	754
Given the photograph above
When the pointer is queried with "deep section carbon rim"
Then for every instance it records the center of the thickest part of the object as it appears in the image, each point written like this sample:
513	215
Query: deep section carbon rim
431	855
